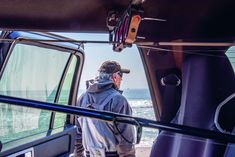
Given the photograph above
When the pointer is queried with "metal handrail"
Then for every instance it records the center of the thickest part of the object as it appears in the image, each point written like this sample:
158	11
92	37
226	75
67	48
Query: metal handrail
110	116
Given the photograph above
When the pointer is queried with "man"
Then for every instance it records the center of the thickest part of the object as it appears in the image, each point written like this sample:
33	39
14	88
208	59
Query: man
100	138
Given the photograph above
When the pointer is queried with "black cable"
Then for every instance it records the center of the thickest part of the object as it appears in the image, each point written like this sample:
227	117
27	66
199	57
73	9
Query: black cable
138	132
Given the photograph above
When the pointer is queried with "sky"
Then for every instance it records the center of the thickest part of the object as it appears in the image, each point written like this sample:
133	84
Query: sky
96	54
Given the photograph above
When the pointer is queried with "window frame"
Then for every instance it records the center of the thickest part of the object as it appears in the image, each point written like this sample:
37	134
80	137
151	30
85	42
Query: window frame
73	51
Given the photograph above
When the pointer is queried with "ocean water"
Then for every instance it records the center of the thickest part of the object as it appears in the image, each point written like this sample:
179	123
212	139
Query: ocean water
141	104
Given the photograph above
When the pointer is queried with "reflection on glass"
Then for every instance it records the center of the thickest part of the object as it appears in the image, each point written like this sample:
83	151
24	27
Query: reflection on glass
32	72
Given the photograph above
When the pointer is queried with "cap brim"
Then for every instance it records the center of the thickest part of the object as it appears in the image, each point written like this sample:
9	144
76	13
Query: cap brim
127	71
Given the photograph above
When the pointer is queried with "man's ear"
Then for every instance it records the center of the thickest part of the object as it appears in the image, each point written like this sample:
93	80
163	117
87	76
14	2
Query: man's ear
114	77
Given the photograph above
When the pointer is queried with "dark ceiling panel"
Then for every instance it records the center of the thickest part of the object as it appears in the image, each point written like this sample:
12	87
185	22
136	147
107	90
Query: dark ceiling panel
209	20
201	20
57	15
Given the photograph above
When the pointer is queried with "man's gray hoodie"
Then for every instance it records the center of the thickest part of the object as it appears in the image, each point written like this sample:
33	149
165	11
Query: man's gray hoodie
99	136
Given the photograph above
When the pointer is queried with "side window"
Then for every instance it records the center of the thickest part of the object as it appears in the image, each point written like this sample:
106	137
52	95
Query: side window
32	72
231	56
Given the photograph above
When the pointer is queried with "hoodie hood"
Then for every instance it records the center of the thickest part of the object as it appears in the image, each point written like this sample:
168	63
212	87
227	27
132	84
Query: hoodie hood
99	85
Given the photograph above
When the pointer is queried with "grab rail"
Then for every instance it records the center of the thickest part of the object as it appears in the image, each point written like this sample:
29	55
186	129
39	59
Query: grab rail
114	117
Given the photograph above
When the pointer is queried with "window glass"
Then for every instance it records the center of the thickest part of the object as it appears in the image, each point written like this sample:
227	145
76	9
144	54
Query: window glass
64	94
32	72
231	55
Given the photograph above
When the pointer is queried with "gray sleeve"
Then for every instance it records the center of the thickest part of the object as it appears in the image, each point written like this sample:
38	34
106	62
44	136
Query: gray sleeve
125	148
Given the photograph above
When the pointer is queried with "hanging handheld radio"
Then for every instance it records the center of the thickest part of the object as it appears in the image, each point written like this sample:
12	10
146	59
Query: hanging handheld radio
124	33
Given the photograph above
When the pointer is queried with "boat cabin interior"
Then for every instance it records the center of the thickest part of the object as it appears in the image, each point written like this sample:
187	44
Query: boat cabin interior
186	50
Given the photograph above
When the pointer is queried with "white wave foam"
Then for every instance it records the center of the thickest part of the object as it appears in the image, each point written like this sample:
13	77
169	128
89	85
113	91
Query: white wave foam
140	103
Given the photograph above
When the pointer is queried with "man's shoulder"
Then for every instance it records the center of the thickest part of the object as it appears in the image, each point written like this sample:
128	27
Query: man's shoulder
83	97
117	94
119	98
